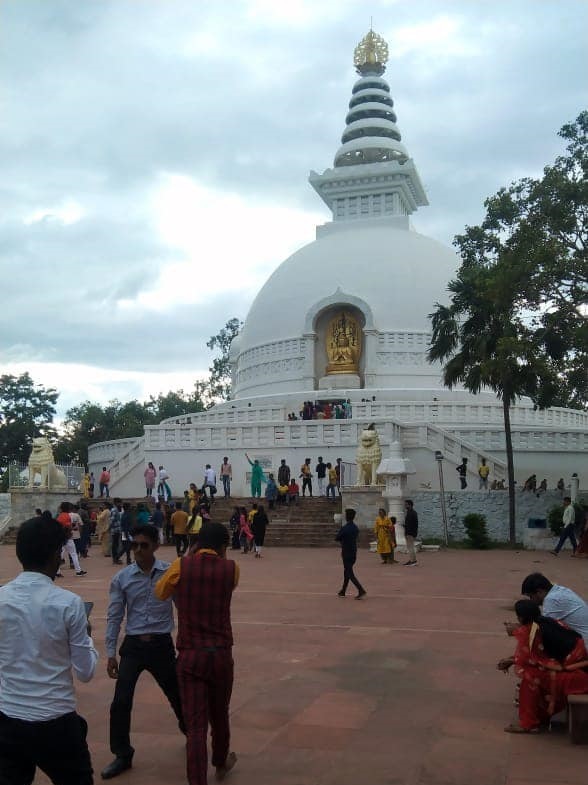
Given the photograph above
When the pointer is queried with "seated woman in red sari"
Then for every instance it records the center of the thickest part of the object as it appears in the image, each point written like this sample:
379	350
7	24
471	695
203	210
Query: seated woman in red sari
550	659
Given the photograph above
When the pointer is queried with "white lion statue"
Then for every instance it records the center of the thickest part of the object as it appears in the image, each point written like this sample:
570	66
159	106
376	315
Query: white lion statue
41	462
369	456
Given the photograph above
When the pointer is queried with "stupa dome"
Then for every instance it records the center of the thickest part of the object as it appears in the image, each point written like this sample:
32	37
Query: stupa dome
398	274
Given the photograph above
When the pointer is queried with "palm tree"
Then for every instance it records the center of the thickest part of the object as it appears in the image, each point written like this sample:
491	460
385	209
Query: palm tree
482	339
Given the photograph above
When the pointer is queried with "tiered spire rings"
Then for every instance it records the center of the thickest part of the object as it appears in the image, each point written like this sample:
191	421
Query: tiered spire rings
371	134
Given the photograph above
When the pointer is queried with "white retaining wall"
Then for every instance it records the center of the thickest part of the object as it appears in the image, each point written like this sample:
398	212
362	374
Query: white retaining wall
492	504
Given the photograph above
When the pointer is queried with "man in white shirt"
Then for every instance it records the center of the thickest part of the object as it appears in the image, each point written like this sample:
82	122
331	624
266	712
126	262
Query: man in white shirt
558	602
44	634
569	522
210	480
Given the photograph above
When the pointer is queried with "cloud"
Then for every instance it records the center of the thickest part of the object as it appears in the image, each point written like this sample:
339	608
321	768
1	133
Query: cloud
155	161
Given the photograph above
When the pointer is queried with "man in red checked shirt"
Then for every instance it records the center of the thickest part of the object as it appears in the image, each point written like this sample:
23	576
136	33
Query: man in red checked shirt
202	585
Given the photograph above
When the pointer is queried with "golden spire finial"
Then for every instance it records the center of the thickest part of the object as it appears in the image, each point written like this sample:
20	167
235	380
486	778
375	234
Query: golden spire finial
371	54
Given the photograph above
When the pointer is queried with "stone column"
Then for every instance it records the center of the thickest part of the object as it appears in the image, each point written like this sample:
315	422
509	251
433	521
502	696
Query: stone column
370	349
574	485
395	470
309	373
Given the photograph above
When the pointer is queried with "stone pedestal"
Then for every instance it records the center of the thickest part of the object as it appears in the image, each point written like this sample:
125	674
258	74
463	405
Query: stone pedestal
24	501
395	470
340	381
365	500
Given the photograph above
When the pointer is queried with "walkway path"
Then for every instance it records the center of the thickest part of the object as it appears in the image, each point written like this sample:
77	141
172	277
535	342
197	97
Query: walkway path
399	689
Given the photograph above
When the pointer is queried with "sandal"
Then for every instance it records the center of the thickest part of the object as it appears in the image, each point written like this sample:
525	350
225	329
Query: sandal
222	771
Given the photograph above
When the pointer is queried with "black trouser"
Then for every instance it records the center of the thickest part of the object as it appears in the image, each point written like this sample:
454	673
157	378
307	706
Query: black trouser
348	574
126	549
181	541
58	747
306	483
568	532
115	546
157	656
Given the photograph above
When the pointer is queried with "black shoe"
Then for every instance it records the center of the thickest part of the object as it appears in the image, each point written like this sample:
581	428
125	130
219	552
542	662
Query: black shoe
117	767
361	594
340	594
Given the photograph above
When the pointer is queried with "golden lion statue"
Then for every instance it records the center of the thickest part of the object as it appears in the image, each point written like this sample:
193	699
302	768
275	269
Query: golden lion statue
41	462
368	457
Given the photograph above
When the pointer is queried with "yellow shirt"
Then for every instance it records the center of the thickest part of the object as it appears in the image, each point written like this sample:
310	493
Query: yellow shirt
251	515
166	585
193	496
179	521
103	523
332	476
483	471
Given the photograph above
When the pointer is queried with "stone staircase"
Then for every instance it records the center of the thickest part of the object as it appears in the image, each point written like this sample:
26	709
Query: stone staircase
307	524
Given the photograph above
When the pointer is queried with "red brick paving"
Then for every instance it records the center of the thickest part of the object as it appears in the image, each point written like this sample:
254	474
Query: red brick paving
399	689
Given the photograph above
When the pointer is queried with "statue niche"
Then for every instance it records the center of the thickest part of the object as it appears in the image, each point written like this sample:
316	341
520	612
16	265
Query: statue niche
343	344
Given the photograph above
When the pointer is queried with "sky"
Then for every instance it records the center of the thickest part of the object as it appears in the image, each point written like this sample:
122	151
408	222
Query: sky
155	156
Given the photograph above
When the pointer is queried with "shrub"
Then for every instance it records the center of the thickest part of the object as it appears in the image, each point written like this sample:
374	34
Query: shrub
555	519
475	526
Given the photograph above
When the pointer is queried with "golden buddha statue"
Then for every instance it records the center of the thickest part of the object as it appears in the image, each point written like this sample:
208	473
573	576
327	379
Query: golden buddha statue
343	345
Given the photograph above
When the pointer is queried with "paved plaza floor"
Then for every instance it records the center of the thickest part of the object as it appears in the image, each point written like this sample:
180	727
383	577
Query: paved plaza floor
397	689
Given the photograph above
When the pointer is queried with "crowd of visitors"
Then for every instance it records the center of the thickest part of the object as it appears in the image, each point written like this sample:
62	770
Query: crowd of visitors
550	656
323	410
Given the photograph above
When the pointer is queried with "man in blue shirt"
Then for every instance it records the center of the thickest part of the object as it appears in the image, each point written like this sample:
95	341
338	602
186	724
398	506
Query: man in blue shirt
147	644
558	602
347	536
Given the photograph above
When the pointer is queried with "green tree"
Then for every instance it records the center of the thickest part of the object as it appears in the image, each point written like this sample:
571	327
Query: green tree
545	223
516	323
220	370
482	338
26	410
175	404
89	422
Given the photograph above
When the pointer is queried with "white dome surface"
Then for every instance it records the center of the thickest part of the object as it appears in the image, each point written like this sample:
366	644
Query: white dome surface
398	273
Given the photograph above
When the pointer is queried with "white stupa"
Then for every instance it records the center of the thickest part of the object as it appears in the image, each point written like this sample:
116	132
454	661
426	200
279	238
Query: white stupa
367	262
346	318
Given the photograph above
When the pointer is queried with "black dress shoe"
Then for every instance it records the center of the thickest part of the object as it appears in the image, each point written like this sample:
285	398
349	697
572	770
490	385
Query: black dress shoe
117	767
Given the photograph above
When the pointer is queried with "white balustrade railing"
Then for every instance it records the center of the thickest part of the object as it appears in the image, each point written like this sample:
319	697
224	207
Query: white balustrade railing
444	412
453	446
112	450
127	461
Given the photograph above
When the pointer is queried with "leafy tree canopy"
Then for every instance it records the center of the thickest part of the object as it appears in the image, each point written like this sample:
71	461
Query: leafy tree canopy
540	227
89	422
516	321
26	410
220	370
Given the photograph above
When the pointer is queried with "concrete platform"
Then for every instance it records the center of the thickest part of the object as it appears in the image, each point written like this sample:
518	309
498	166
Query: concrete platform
398	689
